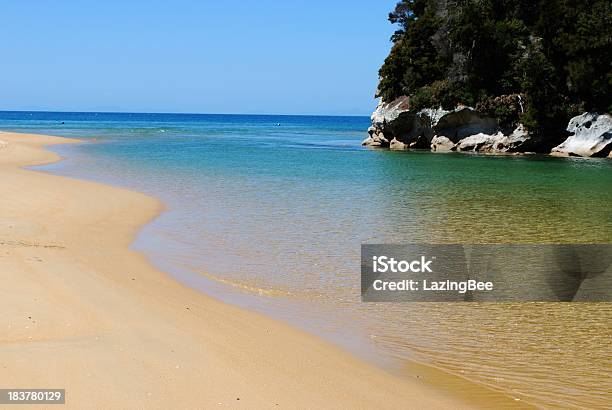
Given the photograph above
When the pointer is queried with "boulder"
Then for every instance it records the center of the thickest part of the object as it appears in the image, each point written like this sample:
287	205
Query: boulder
463	122
424	125
393	119
495	143
518	140
590	136
441	144
396	145
387	113
479	142
376	139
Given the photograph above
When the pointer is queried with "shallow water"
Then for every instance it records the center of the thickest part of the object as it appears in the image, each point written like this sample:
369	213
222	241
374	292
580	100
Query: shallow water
272	217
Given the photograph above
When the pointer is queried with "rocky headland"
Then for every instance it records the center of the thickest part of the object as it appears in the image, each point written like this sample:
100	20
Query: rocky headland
497	77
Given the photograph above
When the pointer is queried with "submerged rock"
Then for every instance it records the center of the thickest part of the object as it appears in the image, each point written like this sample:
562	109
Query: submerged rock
591	136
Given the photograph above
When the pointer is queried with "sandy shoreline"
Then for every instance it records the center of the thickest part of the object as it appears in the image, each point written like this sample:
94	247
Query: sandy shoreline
81	311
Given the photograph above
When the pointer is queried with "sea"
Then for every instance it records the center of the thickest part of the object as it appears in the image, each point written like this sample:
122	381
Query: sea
268	212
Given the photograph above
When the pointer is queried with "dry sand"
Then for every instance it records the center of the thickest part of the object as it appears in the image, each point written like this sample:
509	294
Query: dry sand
80	311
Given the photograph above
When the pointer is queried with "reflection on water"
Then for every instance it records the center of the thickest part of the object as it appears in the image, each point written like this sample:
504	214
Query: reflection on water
281	214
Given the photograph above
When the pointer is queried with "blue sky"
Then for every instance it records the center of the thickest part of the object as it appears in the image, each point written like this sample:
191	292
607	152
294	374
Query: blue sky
278	57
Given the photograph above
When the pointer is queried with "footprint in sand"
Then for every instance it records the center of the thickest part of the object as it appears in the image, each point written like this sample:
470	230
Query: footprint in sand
20	233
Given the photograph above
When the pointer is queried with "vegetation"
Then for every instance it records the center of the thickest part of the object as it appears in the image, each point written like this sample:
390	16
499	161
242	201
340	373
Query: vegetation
556	55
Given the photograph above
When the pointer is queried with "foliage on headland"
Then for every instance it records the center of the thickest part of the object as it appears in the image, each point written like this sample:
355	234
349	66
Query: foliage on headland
553	55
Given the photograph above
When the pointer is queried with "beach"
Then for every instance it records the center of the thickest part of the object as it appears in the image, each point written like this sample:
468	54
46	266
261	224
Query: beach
206	207
83	312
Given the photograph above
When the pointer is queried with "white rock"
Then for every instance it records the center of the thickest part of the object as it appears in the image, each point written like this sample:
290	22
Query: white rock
478	142
441	144
463	128
376	139
430	116
591	136
497	142
519	134
388	112
396	145
462	122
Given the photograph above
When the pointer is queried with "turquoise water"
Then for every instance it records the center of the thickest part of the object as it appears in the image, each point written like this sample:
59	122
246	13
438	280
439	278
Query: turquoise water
272	217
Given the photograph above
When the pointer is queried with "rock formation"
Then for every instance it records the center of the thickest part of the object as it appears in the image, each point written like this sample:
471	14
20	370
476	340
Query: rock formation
441	144
590	136
396	126
495	143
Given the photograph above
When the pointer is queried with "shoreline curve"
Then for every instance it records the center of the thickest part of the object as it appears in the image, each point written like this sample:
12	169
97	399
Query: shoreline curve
86	313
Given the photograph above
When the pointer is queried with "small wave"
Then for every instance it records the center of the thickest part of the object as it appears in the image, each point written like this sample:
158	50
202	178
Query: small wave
248	288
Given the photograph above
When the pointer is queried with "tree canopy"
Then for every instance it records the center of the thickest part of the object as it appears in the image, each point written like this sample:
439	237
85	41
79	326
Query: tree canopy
556	54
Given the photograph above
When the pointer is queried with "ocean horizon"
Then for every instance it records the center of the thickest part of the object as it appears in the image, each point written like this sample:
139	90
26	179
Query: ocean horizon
268	212
54	113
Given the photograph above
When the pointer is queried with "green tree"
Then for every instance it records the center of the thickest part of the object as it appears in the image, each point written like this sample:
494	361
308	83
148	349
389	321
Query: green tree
556	53
413	61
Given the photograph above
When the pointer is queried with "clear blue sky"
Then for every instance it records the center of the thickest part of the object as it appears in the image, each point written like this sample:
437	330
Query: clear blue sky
281	57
